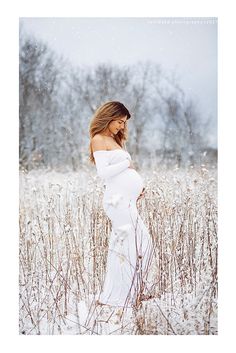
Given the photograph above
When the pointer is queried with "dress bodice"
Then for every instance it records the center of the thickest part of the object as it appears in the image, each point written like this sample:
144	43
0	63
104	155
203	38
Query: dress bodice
111	151
111	162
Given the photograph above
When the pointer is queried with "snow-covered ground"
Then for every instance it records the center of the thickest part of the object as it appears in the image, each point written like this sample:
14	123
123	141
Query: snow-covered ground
64	237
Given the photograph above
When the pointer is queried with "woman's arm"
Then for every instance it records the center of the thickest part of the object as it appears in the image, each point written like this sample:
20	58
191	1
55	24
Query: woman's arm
104	170
101	156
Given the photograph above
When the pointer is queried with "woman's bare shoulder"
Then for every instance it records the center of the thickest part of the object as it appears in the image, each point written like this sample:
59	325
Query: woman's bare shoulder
98	143
97	137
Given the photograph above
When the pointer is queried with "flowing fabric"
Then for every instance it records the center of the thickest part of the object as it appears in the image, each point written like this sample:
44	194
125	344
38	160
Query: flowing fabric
130	244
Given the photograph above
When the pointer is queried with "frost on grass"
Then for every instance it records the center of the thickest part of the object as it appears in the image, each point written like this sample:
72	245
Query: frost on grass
64	239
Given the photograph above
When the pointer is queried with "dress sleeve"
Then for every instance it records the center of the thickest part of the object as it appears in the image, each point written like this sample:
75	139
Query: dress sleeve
104	170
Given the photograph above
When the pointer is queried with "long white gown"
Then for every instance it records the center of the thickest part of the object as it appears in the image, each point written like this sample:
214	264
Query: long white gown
130	244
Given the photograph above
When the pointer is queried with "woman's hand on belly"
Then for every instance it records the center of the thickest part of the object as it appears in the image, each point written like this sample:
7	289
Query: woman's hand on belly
131	165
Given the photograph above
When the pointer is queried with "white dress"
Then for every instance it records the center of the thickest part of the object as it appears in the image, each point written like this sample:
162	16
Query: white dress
130	244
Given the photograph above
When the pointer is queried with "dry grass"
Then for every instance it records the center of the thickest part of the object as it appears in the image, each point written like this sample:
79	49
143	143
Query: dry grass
64	235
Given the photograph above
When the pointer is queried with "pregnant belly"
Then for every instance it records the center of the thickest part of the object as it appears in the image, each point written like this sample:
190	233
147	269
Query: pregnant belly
128	183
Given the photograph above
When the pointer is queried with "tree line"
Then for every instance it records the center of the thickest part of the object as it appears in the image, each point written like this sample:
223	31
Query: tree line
58	99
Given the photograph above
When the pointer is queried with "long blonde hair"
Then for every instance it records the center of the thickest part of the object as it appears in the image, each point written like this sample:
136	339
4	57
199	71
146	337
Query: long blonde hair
107	112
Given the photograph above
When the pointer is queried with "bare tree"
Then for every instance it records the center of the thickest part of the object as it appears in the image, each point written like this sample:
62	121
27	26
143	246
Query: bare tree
182	132
39	83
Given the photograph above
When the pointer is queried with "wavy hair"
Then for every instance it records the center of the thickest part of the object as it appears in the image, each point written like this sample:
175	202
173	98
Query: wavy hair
107	112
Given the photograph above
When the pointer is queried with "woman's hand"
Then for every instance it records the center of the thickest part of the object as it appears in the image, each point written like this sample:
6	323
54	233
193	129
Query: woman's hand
141	195
131	165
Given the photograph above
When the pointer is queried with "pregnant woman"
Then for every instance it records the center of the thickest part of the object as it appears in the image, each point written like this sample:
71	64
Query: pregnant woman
130	244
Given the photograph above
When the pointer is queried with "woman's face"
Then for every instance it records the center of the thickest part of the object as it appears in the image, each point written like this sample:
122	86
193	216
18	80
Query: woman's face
116	125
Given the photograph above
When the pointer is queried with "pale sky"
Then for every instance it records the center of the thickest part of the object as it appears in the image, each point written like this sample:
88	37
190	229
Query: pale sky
178	44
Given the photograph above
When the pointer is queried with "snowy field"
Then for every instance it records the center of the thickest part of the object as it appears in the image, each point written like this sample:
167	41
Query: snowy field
63	242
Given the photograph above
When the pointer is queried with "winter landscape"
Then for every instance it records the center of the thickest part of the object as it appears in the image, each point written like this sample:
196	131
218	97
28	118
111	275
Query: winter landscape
64	236
68	67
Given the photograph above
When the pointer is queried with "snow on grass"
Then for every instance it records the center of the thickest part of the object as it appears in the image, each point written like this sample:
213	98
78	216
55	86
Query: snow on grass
64	238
